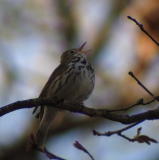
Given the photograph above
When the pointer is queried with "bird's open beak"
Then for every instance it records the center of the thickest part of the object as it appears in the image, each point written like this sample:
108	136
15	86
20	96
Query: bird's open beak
83	51
82	46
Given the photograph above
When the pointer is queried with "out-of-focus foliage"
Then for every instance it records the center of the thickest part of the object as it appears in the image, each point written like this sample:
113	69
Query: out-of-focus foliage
34	33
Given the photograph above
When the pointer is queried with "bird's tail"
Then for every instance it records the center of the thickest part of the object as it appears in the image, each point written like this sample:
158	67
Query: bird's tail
46	121
38	139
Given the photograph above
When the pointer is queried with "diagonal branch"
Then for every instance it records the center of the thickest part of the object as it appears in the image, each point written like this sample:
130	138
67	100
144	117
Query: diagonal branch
78	108
82	148
141	26
141	84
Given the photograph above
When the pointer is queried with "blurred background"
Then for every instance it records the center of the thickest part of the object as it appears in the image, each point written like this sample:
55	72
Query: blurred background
34	33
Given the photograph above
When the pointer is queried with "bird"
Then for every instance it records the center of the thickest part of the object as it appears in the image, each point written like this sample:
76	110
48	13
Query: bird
71	82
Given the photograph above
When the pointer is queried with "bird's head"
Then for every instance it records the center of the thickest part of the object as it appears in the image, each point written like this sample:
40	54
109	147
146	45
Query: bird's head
68	55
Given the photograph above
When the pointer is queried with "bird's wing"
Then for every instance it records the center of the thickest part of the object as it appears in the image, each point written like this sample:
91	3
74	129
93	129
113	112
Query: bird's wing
59	70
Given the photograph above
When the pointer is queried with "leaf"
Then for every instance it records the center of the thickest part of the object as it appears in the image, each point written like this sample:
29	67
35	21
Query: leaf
144	139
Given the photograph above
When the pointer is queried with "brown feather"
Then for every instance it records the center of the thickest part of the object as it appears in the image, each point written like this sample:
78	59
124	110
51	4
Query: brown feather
43	94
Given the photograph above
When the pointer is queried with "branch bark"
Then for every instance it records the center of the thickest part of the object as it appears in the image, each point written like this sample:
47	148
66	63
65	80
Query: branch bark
78	108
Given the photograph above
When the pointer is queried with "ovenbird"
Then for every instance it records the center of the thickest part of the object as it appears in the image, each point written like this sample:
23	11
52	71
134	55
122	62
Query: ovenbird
72	82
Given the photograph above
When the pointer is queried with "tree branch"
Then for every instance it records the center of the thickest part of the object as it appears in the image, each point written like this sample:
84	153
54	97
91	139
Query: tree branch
140	138
82	148
141	26
110	133
138	102
141	84
78	108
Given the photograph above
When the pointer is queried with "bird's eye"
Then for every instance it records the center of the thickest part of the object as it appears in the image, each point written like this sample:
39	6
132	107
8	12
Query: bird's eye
72	51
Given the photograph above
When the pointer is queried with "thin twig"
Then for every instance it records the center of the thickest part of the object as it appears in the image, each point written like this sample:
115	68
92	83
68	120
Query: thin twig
126	137
82	148
118	132
110	133
137	138
141	26
139	102
141	84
